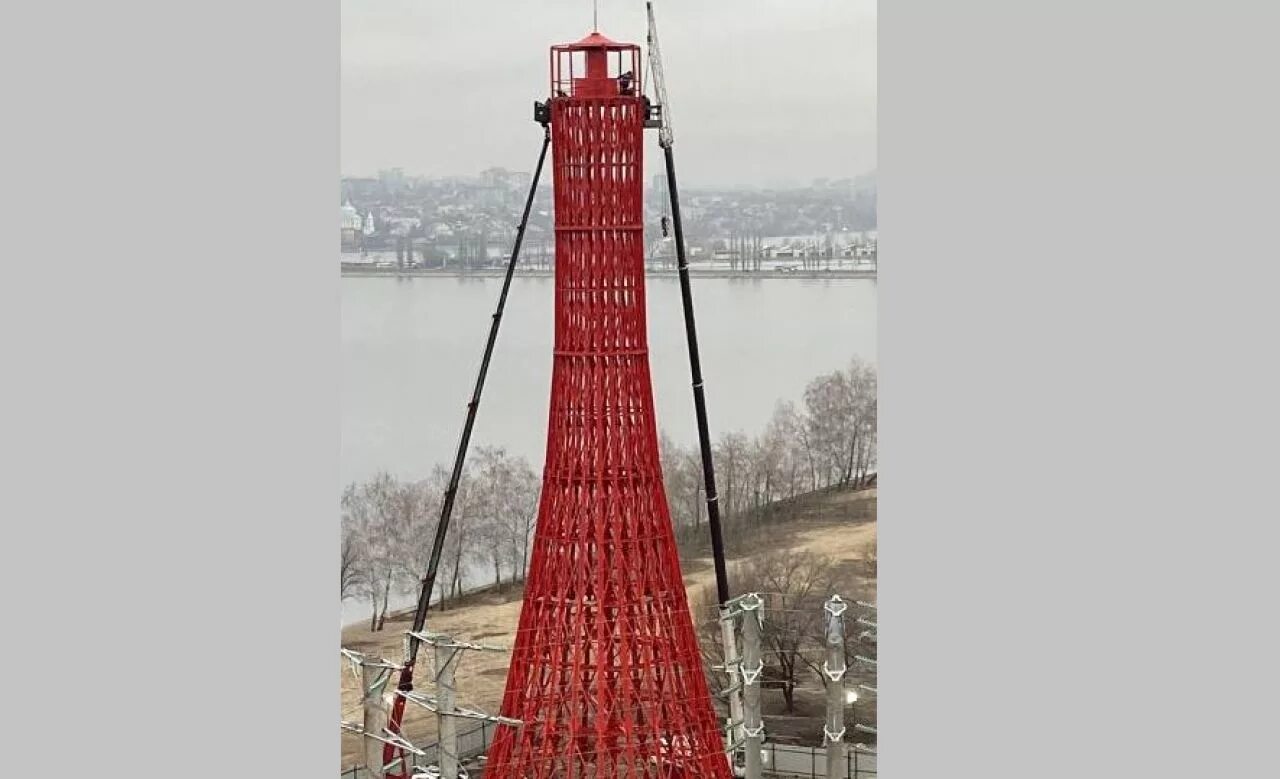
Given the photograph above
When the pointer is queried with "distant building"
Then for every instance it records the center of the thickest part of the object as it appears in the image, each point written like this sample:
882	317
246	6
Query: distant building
352	228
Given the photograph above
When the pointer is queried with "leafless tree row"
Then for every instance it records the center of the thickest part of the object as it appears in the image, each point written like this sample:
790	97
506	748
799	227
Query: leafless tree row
829	440
388	527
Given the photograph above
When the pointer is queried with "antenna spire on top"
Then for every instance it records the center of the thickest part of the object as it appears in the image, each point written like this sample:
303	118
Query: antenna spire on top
595	15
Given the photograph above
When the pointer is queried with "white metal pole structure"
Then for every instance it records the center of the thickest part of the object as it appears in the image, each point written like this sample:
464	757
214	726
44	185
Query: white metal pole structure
447	726
374	675
752	666
373	679
834	669
732	667
448	652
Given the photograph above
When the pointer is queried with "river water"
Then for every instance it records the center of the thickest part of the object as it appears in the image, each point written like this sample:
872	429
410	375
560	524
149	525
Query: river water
411	348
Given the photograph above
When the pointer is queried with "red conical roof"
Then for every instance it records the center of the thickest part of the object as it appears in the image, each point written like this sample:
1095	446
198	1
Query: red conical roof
595	39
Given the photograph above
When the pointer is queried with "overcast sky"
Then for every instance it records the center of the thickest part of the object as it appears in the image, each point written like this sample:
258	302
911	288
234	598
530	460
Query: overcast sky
763	92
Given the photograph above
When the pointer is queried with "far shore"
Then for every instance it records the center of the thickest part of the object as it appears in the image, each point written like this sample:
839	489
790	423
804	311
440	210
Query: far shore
369	271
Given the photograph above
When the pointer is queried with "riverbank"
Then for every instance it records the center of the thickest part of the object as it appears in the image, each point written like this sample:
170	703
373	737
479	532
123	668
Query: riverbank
836	523
358	270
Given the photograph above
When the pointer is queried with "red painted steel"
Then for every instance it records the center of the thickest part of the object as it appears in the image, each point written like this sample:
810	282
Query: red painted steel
605	673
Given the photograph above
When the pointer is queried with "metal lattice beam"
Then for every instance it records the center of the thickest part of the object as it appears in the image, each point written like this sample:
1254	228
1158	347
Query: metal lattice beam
606	673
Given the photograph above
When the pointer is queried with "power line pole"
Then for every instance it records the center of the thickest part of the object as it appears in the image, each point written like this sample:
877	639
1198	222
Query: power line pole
373	681
733	667
834	669
374	675
734	735
445	689
752	666
448	652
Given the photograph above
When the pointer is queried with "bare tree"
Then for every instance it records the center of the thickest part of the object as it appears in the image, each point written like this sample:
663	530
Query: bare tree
863	382
766	456
801	467
524	498
793	583
387	503
854	407
506	497
365	512
417	513
706	621
349	562
461	542
732	471
841	422
682	477
830	421
387	530
492	480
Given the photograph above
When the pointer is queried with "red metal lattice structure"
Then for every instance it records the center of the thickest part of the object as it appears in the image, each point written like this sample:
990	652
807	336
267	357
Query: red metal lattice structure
606	674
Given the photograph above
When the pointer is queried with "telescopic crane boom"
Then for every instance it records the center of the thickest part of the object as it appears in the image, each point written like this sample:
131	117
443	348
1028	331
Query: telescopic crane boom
666	139
665	134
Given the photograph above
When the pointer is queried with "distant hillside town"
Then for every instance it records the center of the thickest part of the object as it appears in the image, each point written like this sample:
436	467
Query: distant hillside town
469	223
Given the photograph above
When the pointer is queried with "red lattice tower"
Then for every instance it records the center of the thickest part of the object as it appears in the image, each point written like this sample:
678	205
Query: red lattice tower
605	673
